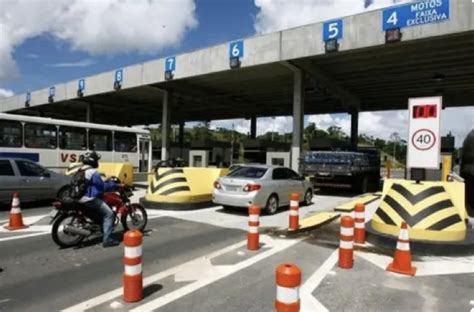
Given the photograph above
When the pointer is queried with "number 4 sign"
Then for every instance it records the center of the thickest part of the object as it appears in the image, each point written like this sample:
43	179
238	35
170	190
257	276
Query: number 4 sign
424	146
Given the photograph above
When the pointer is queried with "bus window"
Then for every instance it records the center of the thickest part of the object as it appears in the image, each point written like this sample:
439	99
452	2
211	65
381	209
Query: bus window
125	142
11	133
71	138
41	136
100	140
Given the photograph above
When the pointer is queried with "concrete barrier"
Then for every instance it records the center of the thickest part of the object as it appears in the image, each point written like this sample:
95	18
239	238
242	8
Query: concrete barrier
123	171
181	188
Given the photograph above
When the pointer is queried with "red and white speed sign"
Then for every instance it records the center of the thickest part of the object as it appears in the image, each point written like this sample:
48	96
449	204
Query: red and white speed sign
424	146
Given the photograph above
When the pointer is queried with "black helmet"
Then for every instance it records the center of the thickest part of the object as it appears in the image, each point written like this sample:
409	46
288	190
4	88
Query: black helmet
91	159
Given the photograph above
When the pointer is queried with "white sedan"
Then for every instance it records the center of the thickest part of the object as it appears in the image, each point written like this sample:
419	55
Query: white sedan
268	187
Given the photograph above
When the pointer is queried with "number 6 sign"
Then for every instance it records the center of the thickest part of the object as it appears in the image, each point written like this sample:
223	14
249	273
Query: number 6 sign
236	49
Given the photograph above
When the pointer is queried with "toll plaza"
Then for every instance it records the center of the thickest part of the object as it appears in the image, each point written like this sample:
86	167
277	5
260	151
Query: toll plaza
342	252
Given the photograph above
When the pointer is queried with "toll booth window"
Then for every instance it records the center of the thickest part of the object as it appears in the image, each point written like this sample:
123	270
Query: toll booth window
71	138
100	140
6	169
248	172
41	136
125	142
11	133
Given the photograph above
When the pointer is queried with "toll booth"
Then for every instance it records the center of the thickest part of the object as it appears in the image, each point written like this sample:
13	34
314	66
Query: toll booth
267	152
204	153
447	150
176	151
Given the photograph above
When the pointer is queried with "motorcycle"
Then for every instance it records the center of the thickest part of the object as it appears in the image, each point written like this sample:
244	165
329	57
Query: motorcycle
73	222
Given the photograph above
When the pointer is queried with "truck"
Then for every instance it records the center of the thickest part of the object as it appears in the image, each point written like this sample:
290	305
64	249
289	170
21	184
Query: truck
357	170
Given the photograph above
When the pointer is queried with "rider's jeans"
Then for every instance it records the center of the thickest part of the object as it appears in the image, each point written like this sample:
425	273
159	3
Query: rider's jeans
107	216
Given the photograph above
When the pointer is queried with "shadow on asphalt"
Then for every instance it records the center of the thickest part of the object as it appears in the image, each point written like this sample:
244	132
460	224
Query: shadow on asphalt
151	289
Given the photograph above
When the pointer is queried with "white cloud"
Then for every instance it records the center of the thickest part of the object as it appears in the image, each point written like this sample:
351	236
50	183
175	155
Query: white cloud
81	63
459	121
95	27
281	14
4	93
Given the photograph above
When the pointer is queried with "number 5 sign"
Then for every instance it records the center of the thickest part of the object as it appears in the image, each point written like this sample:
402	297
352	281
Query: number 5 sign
332	30
424	144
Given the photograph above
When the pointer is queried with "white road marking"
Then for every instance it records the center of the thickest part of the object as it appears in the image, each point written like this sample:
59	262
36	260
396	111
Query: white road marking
308	302
33	228
4	239
276	246
218	272
430	266
149	280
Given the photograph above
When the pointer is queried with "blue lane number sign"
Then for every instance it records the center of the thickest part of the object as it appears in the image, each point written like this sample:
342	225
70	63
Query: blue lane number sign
28	96
170	64
333	30
81	85
119	75
417	13
236	49
52	91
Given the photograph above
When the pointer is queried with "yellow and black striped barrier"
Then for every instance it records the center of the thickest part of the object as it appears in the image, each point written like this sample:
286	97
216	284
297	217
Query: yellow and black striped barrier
181	188
434	211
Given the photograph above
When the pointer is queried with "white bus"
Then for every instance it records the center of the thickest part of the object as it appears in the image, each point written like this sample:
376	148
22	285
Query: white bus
56	143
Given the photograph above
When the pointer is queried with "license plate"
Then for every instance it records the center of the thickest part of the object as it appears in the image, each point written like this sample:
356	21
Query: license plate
232	188
324	174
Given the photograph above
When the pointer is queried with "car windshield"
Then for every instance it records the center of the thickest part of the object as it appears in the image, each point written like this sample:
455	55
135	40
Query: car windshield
248	172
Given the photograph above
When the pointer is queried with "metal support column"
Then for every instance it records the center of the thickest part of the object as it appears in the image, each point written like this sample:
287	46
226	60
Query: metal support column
298	118
181	138
165	126
354	128
253	127
89	112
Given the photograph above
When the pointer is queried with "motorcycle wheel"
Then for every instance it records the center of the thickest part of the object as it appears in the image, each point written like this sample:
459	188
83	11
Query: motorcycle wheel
65	239
135	219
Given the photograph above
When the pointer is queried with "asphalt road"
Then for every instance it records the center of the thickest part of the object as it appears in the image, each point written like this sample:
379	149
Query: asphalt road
197	261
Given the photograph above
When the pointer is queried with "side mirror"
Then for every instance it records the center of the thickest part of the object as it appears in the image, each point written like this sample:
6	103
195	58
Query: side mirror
46	174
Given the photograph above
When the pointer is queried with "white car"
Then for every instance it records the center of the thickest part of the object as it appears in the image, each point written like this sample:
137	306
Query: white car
268	187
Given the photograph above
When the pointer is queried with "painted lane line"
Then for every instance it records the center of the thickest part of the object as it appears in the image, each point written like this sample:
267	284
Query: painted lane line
447	266
33	228
308	302
151	279
22	236
279	245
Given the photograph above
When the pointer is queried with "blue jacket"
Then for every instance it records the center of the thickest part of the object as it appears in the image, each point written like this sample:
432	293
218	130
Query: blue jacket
95	186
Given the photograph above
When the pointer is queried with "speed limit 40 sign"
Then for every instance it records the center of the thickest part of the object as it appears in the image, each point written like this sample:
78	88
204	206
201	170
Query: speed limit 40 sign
424	144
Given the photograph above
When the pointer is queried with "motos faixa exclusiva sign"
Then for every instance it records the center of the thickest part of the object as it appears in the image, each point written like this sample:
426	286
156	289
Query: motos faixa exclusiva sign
416	13
424	141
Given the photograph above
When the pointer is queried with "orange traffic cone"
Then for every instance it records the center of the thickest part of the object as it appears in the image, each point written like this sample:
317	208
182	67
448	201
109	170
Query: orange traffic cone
16	219
402	260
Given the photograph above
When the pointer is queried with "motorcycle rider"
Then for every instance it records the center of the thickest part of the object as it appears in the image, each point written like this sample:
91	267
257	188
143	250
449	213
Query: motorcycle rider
95	187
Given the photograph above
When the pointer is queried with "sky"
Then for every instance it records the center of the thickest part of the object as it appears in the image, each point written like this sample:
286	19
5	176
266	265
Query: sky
44	42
